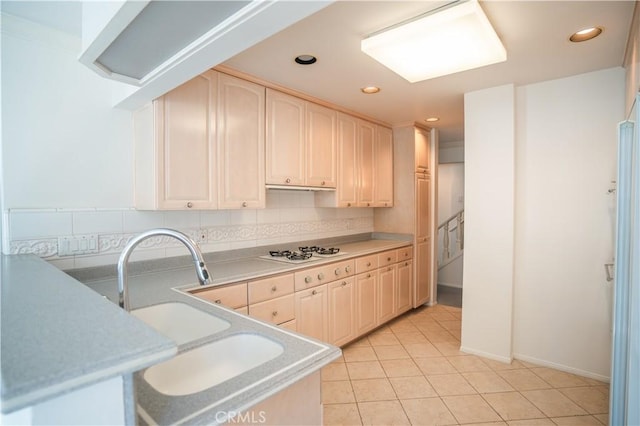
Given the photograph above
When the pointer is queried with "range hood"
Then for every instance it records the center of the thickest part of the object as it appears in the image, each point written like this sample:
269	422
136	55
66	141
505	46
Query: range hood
154	46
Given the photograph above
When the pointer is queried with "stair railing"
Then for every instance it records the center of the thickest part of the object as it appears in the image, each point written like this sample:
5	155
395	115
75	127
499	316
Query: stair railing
453	224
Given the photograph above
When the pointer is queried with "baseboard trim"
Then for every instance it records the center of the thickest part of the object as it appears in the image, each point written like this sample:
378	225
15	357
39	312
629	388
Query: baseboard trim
453	285
563	367
504	359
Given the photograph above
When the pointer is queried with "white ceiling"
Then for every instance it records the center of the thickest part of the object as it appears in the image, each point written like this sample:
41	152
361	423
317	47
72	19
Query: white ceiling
534	33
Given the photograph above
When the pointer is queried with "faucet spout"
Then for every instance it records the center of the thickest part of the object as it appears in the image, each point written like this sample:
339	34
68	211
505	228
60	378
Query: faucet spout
196	255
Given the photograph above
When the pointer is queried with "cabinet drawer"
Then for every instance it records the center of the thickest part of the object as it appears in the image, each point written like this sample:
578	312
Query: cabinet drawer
366	263
276	311
270	288
290	325
234	295
405	253
387	258
323	274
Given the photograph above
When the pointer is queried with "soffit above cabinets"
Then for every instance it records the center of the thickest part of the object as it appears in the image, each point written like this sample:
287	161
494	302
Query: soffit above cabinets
160	31
154	46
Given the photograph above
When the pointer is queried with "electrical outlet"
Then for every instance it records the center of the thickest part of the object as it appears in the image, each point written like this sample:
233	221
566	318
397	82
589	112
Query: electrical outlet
78	244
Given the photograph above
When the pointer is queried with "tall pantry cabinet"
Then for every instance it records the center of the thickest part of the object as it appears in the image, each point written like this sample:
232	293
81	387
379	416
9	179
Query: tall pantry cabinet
414	210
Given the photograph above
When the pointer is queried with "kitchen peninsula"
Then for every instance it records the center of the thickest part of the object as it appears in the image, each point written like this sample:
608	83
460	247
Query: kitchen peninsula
300	361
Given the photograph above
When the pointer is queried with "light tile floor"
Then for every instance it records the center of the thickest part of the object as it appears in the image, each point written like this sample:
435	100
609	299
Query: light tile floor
411	372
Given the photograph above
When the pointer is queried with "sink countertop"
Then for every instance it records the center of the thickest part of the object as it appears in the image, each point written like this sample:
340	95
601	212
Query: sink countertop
59	336
302	355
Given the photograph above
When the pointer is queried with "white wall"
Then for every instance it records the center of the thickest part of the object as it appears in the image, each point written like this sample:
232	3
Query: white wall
68	159
553	280
489	222
565	162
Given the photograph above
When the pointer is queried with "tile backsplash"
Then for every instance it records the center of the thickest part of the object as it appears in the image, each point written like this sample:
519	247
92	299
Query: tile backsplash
289	216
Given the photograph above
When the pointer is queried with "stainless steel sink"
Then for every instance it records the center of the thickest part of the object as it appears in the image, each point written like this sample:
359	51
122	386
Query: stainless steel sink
211	364
180	322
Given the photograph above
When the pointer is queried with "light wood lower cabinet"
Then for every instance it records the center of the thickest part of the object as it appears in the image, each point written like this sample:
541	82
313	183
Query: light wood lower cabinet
342	304
338	311
403	290
366	302
233	296
387	285
311	312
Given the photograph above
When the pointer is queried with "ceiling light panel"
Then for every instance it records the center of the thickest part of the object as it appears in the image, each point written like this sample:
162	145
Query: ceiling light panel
446	41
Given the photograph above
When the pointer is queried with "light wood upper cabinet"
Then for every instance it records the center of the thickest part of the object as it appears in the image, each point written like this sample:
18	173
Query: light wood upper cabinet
175	161
422	147
301	142
321	146
366	147
285	152
347	189
201	146
240	135
383	172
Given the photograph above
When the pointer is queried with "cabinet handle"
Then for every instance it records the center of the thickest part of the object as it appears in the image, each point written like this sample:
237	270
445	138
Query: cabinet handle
189	204
218	301
347	269
388	259
288	180
368	264
244	204
337	271
368	275
274	289
385	204
313	293
321	276
406	263
344	283
323	183
308	279
274	313
390	268
348	204
368	204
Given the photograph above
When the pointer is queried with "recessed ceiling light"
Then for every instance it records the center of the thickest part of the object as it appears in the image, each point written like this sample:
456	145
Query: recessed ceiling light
432	119
306	59
369	90
585	34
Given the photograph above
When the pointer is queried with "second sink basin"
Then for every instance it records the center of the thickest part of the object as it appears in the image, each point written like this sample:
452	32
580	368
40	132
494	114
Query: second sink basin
180	322
211	364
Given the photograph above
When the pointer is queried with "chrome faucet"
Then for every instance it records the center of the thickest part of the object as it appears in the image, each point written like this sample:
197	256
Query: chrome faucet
196	255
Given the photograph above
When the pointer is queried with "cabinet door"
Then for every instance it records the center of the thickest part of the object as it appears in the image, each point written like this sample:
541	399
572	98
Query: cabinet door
342	311
383	172
311	312
347	184
240	135
422	291
285	148
423	147
403	288
321	146
185	131
366	302
366	149
386	294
